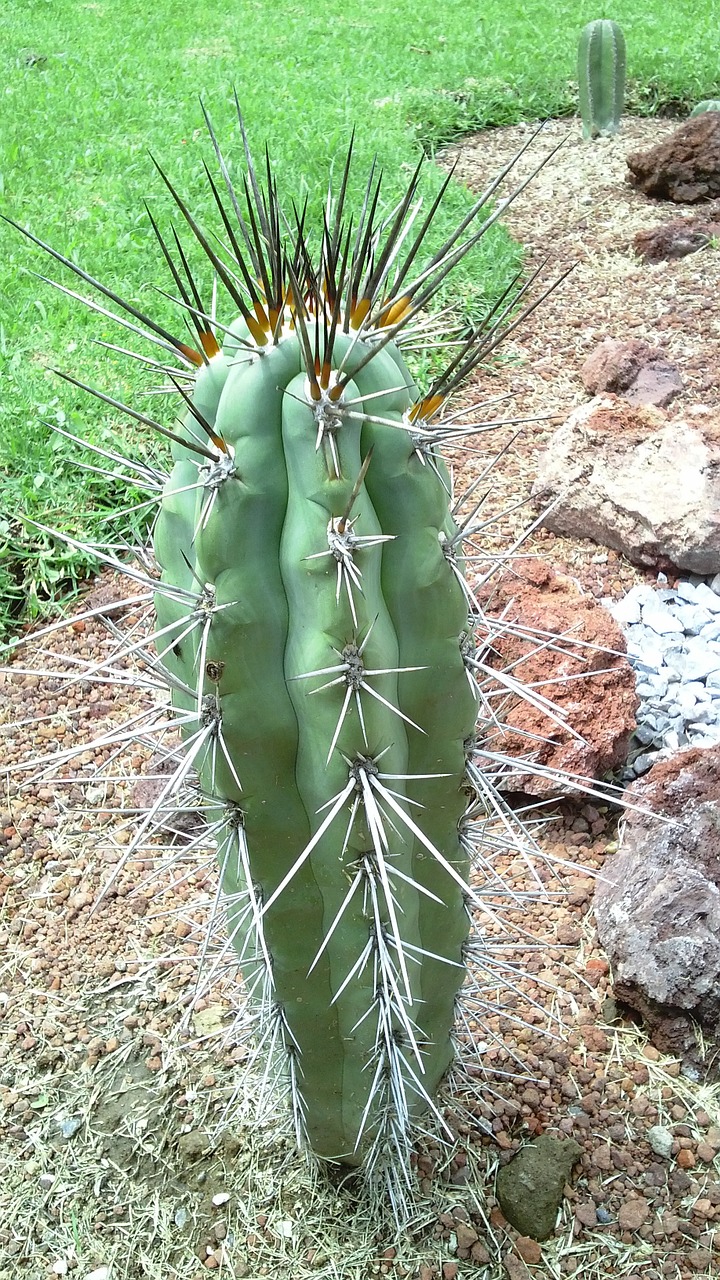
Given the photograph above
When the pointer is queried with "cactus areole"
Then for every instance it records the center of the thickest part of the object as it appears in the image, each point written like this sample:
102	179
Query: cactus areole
316	633
601	77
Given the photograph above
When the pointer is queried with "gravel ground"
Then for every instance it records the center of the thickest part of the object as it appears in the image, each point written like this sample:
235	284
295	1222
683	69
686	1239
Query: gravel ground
126	1151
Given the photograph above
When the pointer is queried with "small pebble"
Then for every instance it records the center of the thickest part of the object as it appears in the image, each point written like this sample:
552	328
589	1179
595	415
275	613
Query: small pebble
528	1249
661	1141
633	1214
587	1214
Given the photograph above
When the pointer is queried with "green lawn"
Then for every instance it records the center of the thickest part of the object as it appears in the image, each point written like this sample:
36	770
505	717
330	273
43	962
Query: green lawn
91	88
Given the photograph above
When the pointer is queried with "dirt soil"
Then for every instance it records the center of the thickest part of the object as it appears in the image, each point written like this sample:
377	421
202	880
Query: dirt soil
126	1151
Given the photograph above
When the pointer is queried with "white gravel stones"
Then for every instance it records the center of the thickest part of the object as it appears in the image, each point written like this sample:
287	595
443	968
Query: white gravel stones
673	642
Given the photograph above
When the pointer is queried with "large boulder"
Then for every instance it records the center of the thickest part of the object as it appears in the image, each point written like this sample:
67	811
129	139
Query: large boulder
638	372
567	650
636	480
658	905
685	167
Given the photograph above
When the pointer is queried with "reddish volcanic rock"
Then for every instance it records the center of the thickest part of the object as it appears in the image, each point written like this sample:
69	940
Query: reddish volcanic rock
554	640
684	167
674	239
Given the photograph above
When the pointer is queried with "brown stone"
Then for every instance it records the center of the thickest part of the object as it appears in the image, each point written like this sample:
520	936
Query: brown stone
601	1158
570	737
466	1235
675	239
684	167
658	904
635	479
699	1259
586	1214
638	372
633	1214
529	1249
515	1268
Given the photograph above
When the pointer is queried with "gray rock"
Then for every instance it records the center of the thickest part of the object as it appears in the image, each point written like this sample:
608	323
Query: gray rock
711	631
661	1141
700	736
530	1187
645	734
703	713
715	584
686	700
643	762
644	647
676	670
669	671
627	610
71	1125
658	904
708	598
637	480
692	618
652	686
698	690
700	661
660	620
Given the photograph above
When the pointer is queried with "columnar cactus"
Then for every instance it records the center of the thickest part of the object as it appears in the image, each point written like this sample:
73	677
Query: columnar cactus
315	631
601	77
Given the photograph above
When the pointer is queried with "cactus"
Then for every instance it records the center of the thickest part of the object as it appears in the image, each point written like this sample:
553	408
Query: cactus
709	104
319	640
601	77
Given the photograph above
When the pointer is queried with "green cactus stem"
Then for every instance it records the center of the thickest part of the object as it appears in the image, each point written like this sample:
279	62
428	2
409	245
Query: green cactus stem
709	104
601	77
315	631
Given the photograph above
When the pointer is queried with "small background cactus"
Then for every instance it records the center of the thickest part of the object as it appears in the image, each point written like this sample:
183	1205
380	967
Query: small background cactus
708	104
601	77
